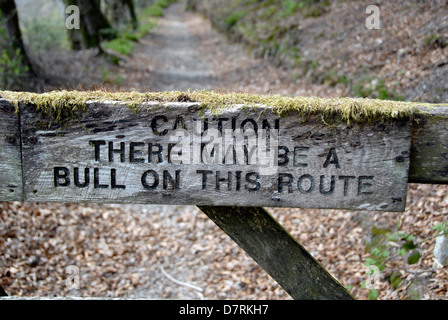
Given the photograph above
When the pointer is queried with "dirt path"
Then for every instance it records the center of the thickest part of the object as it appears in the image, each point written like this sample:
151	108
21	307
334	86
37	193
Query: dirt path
185	52
171	58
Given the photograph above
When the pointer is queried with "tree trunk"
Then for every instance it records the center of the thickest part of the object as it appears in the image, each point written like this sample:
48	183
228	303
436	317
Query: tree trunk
115	12
131	6
97	27
10	21
75	35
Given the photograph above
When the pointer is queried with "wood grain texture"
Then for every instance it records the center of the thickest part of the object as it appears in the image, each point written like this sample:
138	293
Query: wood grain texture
277	252
11	186
115	155
429	152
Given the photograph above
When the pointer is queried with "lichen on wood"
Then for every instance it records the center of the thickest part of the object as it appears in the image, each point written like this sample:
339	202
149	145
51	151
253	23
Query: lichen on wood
60	105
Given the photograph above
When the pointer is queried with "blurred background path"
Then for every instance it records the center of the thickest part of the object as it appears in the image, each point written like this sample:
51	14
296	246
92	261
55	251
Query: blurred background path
175	56
184	52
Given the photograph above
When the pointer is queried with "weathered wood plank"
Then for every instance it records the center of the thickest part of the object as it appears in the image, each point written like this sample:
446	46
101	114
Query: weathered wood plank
113	154
11	186
429	151
277	252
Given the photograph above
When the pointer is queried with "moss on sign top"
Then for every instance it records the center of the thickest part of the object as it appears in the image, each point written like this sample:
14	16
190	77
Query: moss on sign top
64	104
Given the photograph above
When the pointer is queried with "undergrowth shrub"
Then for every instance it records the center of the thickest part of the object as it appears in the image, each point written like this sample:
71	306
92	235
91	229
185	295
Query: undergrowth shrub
12	70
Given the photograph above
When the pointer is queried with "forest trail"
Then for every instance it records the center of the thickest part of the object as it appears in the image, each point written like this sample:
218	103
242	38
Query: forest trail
172	57
184	52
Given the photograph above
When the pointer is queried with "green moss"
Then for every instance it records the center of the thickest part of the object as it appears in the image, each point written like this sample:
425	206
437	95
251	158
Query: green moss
145	28
435	41
153	11
233	18
125	41
62	104
123	45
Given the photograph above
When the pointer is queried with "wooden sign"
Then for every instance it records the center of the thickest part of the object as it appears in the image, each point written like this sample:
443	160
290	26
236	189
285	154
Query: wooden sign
429	150
176	154
11	187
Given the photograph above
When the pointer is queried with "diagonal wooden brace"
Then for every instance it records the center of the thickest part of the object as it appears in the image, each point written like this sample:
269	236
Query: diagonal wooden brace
277	252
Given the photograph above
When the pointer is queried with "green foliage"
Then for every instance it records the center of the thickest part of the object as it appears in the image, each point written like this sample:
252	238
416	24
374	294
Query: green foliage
402	236
290	7
414	257
373	88
318	10
395	279
156	10
373	294
233	18
307	8
153	11
131	36
378	248
108	33
435	41
441	228
364	86
125	42
381	251
43	35
165	3
384	245
121	45
111	78
12	68
144	28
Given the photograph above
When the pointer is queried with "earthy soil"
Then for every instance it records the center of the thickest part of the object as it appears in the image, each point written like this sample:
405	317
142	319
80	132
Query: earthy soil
176	252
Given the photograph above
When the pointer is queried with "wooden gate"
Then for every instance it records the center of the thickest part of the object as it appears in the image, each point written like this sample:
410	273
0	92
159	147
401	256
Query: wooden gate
231	158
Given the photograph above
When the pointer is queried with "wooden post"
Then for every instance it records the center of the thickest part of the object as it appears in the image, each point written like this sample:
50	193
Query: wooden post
429	150
11	186
277	252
